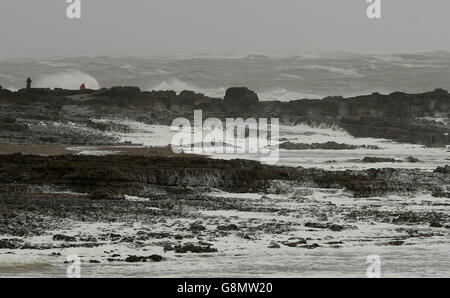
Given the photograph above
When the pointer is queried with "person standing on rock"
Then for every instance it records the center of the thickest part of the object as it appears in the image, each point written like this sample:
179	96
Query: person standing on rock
29	81
83	87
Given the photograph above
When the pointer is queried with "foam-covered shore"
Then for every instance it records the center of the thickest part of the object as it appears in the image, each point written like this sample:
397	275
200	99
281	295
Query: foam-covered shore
289	231
97	179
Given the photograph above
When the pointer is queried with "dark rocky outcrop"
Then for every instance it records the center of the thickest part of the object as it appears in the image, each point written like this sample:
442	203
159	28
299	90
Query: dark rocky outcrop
445	169
108	177
152	258
379	159
398	116
112	177
330	226
60	237
240	95
323	146
189	247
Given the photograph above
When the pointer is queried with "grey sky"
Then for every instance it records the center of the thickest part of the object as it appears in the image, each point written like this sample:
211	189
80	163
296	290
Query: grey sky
220	27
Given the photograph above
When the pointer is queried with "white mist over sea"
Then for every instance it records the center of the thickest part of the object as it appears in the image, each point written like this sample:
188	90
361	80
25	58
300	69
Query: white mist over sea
273	78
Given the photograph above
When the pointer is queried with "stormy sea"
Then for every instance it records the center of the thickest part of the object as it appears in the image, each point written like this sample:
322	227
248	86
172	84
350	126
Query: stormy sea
362	167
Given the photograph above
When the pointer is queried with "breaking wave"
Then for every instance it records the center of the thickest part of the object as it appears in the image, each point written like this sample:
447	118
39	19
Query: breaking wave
335	70
67	80
178	86
282	94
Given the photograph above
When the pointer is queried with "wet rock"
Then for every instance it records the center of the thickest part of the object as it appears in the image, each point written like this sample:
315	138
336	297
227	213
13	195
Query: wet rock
230	227
412	159
189	247
94	262
441	194
61	237
246	235
197	227
127	239
322	146
274	228
334	242
168	247
110	236
10	243
294	243
444	170
290	244
156	236
436	224
279	187
330	226
88	238
311	246
240	95
395	243
336	228
156	258
135	259
379	159
274	244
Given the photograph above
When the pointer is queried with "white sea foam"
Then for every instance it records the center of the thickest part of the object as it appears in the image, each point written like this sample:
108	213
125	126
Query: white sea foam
71	79
336	70
282	94
179	85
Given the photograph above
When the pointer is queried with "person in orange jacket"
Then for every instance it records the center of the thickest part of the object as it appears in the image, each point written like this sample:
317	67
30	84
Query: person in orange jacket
83	87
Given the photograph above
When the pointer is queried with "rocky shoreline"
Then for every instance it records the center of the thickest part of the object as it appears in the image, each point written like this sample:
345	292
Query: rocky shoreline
29	115
134	175
145	205
133	209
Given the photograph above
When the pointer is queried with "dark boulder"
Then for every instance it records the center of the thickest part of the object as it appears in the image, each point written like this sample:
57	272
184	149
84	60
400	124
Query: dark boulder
135	259
443	170
60	237
197	227
10	243
379	159
240	95
310	246
189	247
230	227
